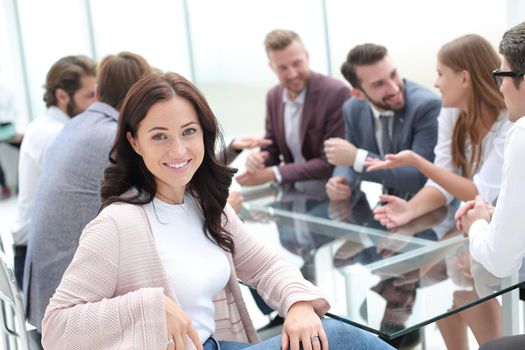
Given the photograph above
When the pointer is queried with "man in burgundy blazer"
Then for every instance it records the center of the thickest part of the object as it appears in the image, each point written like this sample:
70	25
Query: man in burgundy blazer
302	112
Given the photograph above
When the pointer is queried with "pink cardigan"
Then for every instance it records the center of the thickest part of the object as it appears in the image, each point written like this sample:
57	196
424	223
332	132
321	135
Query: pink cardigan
111	295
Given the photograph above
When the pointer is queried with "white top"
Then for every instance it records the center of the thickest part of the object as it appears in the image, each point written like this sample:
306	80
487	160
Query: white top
39	135
362	154
500	245
7	105
197	268
488	176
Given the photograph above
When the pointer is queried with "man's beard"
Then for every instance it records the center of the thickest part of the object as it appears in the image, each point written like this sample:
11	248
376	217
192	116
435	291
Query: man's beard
384	105
72	108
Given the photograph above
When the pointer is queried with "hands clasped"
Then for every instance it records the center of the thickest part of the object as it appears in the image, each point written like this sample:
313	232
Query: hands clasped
472	211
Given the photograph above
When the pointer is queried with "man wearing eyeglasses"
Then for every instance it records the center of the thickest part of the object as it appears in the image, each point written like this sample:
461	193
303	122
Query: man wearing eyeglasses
497	235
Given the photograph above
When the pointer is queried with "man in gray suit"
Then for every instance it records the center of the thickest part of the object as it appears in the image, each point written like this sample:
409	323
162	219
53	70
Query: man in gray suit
67	193
386	114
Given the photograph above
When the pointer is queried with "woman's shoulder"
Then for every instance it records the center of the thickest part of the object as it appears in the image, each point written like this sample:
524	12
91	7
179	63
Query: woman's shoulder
121	212
118	218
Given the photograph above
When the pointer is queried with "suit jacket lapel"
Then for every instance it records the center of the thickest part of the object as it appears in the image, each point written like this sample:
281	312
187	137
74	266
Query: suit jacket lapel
310	101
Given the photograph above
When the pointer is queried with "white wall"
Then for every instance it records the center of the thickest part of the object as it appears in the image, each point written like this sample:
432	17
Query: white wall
225	40
412	30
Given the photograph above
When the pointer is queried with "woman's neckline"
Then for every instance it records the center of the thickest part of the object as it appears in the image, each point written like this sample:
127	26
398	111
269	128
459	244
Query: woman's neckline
165	200
168	203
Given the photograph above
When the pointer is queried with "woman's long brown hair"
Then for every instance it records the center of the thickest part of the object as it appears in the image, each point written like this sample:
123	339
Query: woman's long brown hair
476	55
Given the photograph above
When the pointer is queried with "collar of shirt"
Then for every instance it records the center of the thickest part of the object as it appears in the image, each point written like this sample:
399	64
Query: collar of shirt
57	114
377	113
104	108
299	100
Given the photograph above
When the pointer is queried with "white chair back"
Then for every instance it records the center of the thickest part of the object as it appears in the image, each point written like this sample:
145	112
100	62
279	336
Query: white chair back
12	318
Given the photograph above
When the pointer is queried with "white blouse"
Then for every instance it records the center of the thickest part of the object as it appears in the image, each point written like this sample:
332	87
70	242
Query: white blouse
197	268
488	176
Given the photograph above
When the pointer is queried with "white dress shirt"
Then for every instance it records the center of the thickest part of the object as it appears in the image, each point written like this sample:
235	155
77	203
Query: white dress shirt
500	245
362	154
39	135
488	176
293	111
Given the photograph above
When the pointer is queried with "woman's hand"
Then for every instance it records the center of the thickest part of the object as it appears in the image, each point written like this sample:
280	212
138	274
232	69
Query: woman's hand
179	326
303	325
392	161
394	212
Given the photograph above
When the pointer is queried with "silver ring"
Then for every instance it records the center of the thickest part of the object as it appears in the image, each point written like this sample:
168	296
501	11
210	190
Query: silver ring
314	338
171	340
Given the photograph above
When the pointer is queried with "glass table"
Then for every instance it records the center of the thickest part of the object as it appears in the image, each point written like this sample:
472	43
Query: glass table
387	282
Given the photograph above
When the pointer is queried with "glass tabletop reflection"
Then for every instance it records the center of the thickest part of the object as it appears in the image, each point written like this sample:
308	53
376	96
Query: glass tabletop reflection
389	282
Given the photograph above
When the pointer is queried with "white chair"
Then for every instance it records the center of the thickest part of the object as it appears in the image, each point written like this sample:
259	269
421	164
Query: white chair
12	319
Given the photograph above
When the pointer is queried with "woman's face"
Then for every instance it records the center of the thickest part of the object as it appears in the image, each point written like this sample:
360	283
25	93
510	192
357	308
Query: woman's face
170	141
452	86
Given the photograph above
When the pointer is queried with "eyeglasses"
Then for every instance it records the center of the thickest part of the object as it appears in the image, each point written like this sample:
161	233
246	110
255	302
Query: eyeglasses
498	75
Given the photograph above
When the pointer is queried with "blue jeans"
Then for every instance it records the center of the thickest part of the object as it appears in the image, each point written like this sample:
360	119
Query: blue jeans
341	336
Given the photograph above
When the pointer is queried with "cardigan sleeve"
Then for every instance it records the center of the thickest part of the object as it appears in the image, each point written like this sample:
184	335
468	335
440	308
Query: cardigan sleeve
84	312
279	283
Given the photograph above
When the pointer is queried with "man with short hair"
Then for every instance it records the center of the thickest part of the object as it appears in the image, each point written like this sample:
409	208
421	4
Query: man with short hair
301	112
67	195
69	90
386	114
496	234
